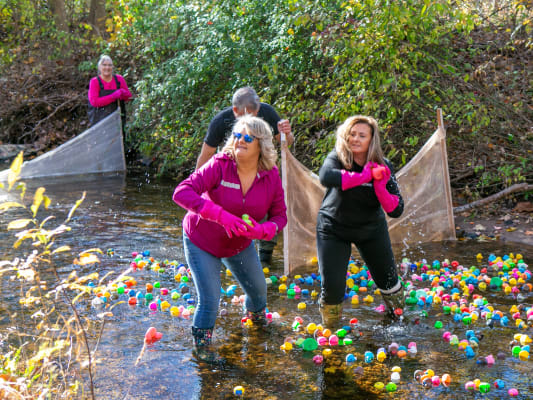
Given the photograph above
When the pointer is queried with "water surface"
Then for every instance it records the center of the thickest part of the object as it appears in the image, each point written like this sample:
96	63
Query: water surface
136	213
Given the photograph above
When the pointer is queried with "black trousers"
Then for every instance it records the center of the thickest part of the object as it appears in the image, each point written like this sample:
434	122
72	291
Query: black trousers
334	246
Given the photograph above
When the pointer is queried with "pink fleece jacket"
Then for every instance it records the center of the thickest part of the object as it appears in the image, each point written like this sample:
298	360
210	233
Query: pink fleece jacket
94	91
218	181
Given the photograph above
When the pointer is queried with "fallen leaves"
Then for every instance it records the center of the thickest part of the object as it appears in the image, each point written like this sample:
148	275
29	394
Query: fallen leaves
524	206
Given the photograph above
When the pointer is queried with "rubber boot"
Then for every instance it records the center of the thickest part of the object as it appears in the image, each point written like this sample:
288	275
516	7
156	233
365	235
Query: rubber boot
395	303
331	315
202	346
258	317
265	256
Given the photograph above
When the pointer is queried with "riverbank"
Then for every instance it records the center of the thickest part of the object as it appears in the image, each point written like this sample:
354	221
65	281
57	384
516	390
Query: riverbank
497	221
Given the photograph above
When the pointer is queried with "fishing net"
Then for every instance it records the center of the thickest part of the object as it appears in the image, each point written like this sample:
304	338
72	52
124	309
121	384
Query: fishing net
97	150
424	184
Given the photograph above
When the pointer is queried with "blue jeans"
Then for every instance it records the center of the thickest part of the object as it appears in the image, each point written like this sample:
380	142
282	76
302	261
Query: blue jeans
205	269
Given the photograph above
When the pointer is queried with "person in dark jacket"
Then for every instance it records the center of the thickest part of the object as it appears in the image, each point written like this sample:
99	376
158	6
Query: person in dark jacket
360	185
106	92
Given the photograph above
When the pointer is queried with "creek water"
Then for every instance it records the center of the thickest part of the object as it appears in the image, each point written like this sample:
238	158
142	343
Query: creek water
136	213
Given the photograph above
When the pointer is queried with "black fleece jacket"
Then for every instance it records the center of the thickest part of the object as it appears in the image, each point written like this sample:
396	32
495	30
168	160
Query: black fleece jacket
356	206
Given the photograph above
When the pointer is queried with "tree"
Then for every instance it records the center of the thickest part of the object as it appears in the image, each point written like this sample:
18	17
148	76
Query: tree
60	16
97	15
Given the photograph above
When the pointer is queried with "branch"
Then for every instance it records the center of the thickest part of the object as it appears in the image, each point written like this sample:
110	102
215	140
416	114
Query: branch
59	107
466	174
520	187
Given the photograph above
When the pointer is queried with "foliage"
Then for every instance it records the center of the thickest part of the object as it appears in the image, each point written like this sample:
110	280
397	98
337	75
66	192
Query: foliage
29	22
43	97
48	353
316	61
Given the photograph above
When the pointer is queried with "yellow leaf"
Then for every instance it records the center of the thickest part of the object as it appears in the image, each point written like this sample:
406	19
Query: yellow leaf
511	229
61	249
116	304
105	314
75	299
47	352
9	204
37	200
89	277
46	220
75	206
42	238
22	187
93	250
17	163
47	201
19	223
82	288
87	259
11	179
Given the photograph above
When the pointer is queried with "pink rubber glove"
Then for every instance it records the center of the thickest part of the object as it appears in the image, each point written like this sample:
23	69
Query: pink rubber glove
116	94
124	95
378	171
265	231
353	179
388	201
232	224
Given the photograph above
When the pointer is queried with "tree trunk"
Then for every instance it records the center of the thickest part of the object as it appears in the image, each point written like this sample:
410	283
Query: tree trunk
60	16
97	16
519	187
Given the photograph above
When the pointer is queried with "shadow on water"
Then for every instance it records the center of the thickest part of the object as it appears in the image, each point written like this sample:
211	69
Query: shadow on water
131	213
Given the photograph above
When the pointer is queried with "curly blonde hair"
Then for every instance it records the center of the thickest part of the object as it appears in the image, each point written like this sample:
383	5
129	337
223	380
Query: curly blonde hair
342	146
261	130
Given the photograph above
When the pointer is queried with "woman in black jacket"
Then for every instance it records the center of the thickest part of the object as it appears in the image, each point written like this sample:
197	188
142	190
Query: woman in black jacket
360	185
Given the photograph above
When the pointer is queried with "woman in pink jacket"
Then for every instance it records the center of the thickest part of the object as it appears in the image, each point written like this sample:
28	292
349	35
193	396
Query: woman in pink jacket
106	91
242	179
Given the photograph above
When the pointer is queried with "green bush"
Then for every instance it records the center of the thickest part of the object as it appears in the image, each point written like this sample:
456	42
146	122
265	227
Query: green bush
317	62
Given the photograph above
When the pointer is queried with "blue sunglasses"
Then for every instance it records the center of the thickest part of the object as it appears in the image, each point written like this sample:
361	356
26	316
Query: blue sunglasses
247	138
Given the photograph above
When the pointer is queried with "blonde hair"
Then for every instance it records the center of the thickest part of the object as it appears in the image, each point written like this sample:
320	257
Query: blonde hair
342	146
261	130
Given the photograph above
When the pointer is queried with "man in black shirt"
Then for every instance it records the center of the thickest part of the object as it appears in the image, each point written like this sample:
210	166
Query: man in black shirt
245	101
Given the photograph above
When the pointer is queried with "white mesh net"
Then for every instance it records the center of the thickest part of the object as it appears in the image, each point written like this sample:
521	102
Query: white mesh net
424	184
97	150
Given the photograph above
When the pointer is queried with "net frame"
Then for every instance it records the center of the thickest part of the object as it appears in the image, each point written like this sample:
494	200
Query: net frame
99	149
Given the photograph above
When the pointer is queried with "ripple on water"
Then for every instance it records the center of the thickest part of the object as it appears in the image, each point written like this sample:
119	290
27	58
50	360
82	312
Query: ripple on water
132	214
